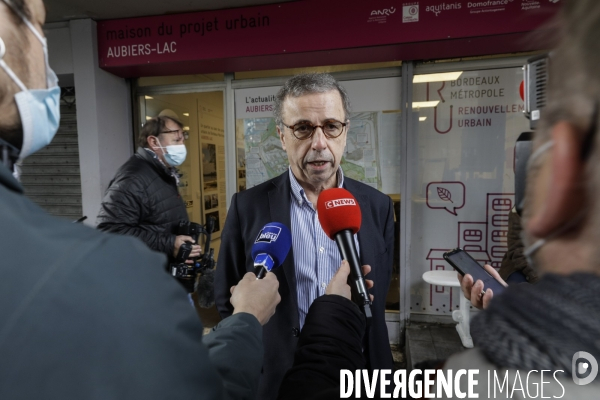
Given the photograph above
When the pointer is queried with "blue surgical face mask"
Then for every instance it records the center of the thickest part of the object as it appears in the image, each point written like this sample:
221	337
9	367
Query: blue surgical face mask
174	154
39	109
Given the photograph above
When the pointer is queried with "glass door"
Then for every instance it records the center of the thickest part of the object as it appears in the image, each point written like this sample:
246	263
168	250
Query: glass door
372	154
202	182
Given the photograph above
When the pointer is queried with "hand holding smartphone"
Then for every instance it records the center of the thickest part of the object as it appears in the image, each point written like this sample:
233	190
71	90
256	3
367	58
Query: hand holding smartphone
465	264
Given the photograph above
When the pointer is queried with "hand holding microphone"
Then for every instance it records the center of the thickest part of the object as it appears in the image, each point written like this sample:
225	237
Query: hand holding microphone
340	218
257	293
258	297
338	285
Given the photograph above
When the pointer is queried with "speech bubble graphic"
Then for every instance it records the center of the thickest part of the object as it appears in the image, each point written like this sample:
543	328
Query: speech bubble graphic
449	196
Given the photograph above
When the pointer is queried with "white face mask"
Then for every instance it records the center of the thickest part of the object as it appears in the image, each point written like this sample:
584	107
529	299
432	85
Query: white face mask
530	250
174	154
39	109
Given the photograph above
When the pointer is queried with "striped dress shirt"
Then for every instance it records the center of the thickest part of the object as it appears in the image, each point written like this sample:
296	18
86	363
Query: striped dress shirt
316	256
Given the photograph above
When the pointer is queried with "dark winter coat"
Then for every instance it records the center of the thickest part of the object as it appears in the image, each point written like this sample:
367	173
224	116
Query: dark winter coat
142	201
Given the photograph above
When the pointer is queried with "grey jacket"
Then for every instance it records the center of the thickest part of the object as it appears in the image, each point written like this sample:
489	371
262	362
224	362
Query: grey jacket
90	315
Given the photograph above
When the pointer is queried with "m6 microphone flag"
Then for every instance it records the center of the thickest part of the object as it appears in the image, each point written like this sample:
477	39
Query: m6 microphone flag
340	218
270	248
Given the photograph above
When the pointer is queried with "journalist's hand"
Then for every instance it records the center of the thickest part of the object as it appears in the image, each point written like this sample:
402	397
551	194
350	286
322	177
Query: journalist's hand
258	297
472	291
339	283
181	239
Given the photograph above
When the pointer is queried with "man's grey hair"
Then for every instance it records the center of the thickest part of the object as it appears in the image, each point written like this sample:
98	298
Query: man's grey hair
303	84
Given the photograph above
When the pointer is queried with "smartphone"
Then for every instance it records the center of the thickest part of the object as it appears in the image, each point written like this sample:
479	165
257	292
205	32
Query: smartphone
465	264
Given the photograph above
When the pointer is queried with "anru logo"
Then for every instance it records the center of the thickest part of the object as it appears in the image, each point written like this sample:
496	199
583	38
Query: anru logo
385	11
269	234
443	7
339	203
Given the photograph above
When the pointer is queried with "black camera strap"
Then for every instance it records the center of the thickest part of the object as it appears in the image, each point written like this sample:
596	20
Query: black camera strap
8	154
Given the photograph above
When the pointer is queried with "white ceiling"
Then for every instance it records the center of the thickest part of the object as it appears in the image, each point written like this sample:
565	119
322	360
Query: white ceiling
64	10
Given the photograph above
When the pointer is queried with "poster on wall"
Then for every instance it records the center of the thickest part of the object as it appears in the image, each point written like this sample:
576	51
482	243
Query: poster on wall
463	190
212	150
209	167
372	153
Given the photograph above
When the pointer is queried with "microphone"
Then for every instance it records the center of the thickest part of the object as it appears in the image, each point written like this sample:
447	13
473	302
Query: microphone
270	248
340	218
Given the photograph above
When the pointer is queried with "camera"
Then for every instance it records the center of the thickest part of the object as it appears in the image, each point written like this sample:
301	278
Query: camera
187	273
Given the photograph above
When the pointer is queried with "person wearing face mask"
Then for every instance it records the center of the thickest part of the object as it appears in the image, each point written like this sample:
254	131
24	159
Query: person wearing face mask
547	333
142	200
92	315
38	109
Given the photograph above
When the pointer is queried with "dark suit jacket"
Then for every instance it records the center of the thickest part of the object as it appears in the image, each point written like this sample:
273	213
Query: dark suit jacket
250	210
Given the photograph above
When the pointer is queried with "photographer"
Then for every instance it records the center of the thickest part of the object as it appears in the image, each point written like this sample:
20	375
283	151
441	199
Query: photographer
93	315
142	200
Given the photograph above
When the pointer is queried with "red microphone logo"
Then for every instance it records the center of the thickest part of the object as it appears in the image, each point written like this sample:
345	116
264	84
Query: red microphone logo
339	203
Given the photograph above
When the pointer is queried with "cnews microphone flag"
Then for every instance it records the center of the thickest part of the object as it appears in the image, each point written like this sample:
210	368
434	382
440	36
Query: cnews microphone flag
338	211
340	218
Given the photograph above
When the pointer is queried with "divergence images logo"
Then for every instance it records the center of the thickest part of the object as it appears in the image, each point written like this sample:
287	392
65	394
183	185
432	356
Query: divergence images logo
339	203
269	234
580	368
385	11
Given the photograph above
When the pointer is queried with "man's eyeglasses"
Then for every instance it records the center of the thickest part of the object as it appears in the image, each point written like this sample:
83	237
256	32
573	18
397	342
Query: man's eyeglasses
305	130
185	134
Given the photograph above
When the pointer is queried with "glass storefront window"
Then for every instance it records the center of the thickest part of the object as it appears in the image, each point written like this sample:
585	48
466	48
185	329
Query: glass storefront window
372	153
467	126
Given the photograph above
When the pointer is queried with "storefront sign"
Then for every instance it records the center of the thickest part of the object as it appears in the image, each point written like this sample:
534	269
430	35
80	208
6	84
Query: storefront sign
134	44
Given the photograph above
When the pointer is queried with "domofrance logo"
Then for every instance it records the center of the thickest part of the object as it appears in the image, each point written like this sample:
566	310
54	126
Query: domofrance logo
584	368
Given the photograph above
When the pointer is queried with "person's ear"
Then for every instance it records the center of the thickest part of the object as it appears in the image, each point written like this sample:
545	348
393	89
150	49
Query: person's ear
281	137
153	142
558	197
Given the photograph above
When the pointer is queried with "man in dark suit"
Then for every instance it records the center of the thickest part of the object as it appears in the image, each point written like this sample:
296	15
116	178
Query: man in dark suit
311	113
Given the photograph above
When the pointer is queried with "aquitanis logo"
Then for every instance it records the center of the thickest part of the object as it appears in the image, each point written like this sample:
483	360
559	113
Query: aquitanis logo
268	234
385	11
443	7
339	203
